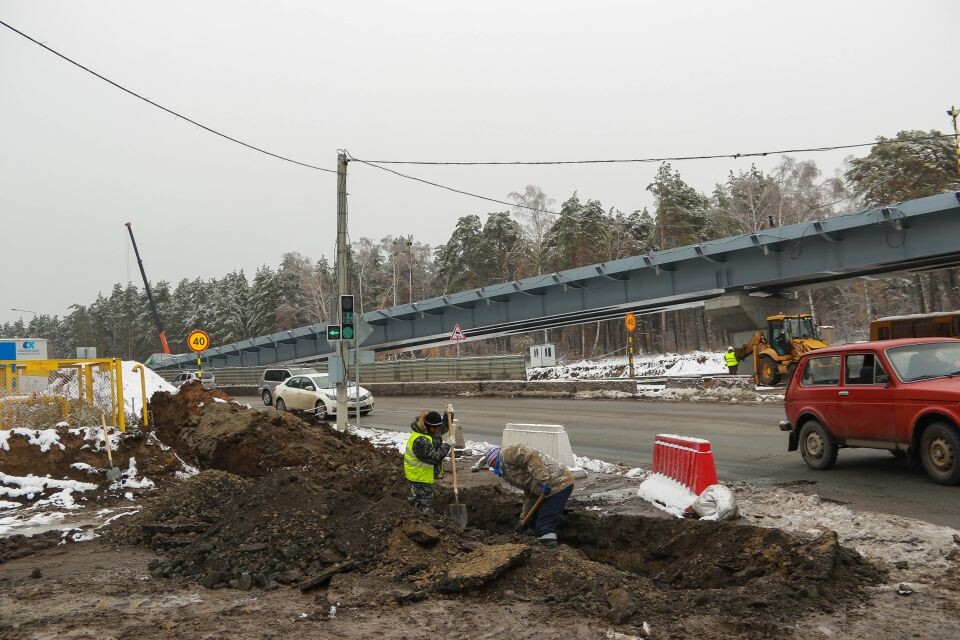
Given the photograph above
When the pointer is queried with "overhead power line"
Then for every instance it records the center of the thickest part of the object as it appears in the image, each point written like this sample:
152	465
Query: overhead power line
163	108
734	156
454	190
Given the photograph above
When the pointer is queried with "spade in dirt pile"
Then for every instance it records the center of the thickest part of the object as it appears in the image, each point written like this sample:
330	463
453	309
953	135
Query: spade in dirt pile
113	472
458	512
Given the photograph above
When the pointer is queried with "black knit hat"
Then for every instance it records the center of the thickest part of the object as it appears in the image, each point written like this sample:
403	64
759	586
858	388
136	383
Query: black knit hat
433	419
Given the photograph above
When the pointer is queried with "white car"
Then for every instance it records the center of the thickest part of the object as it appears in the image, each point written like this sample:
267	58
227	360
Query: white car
207	378
314	392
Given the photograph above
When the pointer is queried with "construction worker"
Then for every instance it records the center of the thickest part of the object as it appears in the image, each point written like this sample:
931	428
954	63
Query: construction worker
730	357
536	474
423	458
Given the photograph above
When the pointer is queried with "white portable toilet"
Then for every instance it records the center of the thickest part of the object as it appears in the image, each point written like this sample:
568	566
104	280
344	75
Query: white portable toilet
543	355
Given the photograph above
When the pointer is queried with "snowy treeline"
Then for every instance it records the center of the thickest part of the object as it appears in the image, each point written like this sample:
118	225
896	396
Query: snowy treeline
538	237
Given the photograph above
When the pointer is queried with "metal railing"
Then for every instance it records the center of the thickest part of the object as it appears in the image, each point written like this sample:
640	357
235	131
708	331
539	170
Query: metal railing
420	370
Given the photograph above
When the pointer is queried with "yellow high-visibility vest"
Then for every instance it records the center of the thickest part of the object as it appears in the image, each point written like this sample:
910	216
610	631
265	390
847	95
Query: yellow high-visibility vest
730	358
415	469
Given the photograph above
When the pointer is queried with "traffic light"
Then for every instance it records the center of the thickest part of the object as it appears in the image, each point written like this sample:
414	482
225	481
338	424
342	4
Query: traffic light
334	333
347	318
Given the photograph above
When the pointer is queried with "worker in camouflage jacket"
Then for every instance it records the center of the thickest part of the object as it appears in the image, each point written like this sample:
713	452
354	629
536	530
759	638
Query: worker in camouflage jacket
423	457
536	474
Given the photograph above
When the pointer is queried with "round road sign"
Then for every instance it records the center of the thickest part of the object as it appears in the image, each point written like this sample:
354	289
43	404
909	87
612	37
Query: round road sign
198	341
630	321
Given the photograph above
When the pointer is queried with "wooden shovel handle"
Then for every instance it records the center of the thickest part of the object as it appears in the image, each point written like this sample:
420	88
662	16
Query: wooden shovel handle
453	467
106	439
533	510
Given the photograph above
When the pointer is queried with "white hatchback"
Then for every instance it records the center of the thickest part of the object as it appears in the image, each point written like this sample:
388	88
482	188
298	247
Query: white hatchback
314	392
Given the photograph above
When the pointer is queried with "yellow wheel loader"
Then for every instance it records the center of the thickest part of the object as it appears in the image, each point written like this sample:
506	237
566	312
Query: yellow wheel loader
776	351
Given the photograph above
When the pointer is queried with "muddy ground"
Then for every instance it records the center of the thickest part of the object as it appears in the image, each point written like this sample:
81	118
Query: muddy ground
297	529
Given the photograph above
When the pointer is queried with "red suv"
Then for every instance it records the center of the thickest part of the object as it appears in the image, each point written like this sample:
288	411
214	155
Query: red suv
899	395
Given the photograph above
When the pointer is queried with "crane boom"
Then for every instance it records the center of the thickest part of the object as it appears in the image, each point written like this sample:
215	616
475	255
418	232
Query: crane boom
146	285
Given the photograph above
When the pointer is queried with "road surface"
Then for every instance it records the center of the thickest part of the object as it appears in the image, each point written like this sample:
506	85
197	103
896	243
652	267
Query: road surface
746	441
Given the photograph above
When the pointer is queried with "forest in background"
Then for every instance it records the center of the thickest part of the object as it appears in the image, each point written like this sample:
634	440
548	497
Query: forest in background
529	240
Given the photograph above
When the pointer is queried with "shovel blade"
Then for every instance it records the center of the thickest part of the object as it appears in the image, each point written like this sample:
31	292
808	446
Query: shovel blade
458	513
114	473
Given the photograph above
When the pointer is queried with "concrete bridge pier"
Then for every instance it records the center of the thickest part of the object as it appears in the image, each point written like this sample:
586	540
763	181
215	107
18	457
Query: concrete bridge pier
739	315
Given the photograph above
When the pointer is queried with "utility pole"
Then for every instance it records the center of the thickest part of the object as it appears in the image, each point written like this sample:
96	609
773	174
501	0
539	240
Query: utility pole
953	113
410	258
342	284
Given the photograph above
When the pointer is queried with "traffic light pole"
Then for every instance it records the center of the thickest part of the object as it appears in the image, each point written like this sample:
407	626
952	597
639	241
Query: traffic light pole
342	346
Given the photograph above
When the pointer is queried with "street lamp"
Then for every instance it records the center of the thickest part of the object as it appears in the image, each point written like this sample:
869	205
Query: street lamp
410	247
953	113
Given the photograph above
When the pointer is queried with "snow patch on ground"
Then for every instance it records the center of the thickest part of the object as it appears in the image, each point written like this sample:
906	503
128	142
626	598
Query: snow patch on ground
398	440
668	364
666	494
879	536
43	438
659	392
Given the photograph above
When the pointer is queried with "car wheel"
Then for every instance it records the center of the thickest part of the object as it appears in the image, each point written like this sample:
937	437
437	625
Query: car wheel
267	398
767	373
321	409
281	405
940	453
817	446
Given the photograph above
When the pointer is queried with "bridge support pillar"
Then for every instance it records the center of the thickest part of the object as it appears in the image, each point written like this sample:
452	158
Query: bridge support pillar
739	315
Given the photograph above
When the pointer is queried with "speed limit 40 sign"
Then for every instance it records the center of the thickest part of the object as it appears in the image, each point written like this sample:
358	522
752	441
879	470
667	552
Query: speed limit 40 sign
198	341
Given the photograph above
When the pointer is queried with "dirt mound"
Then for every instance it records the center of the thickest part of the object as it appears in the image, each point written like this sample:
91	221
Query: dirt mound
311	507
229	437
663	570
282	528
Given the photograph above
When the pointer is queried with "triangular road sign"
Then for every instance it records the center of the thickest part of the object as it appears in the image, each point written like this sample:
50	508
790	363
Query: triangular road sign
457	333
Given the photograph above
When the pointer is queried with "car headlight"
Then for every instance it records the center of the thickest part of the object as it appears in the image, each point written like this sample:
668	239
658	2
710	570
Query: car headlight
364	396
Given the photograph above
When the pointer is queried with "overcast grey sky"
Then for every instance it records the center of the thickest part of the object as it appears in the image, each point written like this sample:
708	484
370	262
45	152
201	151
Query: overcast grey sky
414	80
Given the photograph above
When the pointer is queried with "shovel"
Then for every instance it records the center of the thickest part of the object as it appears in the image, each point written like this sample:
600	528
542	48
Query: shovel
525	519
458	512
113	472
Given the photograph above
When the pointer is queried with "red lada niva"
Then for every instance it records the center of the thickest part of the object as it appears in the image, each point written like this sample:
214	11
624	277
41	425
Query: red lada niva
899	395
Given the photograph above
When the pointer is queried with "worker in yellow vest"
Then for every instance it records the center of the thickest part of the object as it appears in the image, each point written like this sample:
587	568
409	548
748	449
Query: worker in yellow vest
730	358
423	457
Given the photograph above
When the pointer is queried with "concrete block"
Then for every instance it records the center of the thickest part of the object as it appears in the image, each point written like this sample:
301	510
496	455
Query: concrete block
550	439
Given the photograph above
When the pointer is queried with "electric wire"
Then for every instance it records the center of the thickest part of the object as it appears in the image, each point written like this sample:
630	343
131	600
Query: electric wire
163	108
734	156
453	189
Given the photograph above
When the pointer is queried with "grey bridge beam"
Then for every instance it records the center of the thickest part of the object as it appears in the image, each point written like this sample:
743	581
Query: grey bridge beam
918	234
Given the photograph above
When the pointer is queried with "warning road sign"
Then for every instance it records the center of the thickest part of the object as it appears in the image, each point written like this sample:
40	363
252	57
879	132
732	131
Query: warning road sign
457	333
630	321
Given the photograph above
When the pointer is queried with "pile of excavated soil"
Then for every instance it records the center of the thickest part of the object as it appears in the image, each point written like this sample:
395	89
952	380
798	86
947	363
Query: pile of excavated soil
669	572
283	502
229	437
282	528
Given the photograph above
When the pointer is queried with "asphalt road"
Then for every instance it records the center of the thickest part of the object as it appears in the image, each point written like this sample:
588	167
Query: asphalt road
746	441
